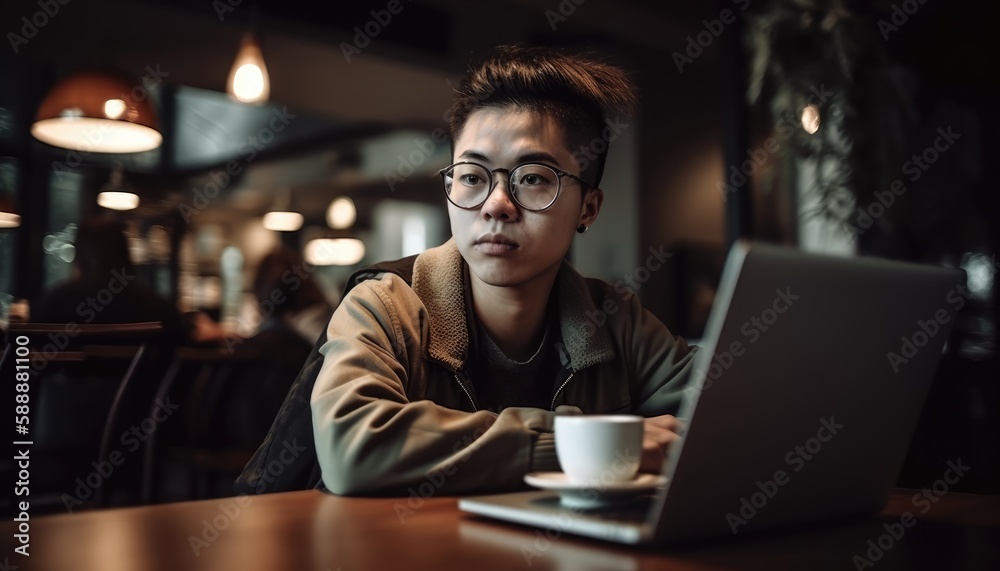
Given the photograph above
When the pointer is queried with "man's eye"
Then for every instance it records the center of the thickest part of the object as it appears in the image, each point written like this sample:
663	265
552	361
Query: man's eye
471	180
532	179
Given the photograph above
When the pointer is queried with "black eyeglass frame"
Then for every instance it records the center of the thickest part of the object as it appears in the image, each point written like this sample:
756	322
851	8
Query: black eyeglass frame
559	176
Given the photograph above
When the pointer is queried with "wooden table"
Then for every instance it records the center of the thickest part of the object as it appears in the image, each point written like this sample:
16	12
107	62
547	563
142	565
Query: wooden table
315	531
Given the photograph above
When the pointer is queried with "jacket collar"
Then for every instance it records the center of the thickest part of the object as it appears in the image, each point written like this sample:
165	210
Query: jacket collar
439	283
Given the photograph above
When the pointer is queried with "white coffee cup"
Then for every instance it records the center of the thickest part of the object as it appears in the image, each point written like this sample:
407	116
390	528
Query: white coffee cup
599	449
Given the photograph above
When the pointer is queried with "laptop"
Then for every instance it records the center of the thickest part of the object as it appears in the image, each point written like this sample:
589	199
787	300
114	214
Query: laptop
804	396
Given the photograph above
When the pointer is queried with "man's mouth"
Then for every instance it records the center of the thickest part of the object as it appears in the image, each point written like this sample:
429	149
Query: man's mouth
495	244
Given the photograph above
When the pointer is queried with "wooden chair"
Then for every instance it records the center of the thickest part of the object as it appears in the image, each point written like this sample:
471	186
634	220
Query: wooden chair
128	356
229	400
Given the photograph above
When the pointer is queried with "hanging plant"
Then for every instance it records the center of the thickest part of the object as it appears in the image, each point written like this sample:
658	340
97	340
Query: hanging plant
820	66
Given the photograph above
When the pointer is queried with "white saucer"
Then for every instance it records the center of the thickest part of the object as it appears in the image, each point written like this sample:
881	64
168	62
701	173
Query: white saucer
593	495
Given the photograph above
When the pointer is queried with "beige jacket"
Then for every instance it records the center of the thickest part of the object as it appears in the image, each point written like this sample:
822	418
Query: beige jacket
394	411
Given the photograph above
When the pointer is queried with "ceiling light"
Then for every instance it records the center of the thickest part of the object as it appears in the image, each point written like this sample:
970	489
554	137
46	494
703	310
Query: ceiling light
248	80
334	251
118	200
282	218
9	220
283	221
341	213
97	112
116	194
9	217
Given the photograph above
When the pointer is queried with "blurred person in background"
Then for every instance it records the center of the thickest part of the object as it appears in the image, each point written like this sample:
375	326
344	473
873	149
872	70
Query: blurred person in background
104	289
292	312
288	298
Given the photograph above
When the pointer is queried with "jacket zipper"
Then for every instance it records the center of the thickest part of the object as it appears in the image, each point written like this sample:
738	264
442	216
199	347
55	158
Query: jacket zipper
559	390
466	391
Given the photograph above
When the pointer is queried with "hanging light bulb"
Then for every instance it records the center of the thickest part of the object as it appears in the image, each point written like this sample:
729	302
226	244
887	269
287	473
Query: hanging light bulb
810	119
248	80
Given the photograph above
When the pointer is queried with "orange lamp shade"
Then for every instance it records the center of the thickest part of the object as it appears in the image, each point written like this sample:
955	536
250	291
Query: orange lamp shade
98	112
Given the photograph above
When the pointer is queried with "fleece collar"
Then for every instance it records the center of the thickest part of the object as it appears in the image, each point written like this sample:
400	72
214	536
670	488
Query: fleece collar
438	282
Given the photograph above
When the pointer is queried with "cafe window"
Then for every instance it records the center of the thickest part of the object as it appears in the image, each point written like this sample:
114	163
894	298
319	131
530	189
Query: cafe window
65	191
403	228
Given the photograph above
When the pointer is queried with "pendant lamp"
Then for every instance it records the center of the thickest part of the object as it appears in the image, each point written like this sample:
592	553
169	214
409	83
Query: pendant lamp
94	111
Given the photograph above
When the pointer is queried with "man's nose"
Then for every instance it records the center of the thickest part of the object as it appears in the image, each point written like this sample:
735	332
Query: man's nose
500	204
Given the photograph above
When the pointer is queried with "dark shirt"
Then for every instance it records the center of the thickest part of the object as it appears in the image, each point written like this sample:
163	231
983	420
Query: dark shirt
501	382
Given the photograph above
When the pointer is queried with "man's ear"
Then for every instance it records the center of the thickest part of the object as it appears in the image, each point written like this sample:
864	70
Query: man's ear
592	200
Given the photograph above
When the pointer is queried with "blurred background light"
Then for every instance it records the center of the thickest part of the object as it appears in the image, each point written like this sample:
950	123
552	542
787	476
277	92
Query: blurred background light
341	213
334	251
283	221
810	119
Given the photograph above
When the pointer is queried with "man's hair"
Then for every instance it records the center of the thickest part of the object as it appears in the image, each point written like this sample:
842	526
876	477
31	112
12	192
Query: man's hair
581	93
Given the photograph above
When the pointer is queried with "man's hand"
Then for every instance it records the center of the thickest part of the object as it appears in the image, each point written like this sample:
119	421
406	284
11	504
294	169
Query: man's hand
205	329
659	432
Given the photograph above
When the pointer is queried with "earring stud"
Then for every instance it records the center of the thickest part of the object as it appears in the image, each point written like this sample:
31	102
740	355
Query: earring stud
581	228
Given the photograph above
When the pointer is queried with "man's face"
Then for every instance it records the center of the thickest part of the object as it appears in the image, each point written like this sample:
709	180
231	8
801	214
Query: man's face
504	244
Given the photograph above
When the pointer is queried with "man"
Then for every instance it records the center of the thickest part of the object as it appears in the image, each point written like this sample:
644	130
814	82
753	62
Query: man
454	377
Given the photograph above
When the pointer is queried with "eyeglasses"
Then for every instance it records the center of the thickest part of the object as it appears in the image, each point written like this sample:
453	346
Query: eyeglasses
532	186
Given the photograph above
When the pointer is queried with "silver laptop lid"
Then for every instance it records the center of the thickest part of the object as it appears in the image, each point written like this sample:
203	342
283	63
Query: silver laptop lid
808	388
